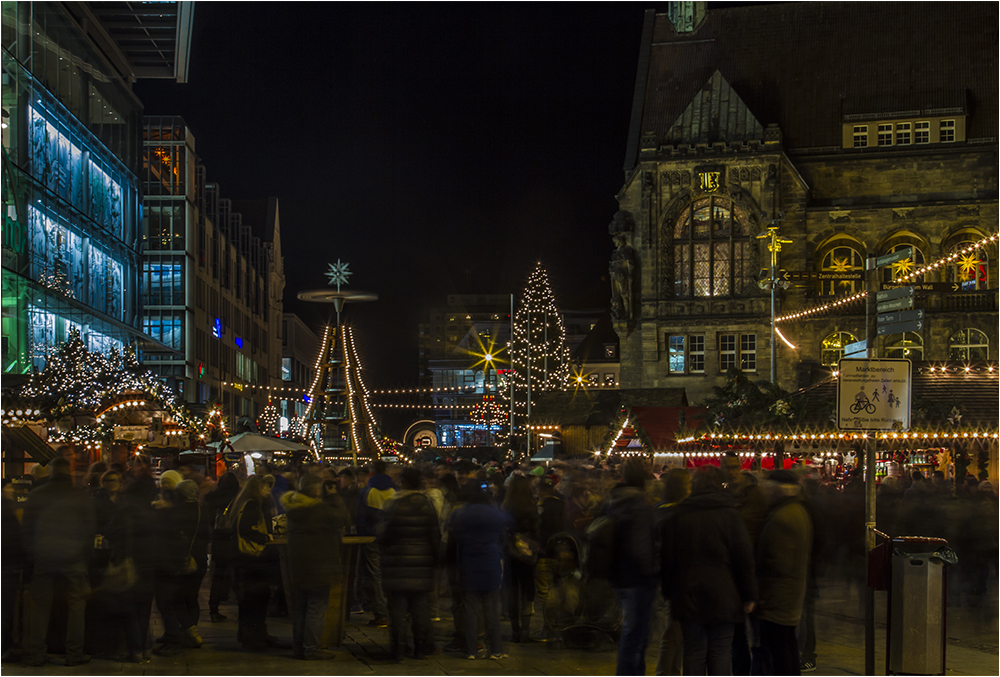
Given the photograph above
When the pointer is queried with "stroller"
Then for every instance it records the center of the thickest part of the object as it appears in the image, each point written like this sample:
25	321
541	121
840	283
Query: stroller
580	613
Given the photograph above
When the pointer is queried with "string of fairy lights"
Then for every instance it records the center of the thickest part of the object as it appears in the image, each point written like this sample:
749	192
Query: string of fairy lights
904	278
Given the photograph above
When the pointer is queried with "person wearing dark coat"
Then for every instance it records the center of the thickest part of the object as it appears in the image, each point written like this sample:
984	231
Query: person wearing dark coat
410	541
480	530
176	525
59	529
369	515
254	563
782	568
197	539
223	544
707	572
520	504
129	534
315	530
634	566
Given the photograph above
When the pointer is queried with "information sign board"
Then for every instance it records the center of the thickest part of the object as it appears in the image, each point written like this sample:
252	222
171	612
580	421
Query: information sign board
873	394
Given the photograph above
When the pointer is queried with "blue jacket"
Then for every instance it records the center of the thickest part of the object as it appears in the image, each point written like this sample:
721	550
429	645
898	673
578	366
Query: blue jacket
370	500
480	532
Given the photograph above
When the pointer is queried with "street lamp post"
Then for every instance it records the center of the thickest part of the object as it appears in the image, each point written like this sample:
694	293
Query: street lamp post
772	284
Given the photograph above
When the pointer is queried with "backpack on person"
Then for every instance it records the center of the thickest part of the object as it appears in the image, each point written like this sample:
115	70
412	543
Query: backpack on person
600	537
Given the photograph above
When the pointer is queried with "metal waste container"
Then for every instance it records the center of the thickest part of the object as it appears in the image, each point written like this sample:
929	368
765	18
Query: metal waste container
917	605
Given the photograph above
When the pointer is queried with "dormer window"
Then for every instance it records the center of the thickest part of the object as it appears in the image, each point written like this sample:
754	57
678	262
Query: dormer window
923	132
947	131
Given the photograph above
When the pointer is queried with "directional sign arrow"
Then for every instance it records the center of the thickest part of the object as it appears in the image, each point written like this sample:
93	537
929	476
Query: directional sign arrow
899	327
894	304
898	255
897	293
902	316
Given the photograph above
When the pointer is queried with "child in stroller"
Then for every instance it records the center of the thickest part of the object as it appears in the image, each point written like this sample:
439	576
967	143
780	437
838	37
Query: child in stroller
579	612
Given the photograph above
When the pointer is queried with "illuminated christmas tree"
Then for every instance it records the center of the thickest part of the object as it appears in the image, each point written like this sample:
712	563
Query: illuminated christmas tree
538	352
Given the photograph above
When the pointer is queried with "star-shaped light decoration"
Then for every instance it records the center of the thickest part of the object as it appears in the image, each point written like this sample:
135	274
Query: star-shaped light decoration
968	264
901	268
841	265
338	273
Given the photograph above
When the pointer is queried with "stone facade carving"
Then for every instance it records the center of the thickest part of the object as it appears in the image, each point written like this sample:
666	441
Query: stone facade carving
623	266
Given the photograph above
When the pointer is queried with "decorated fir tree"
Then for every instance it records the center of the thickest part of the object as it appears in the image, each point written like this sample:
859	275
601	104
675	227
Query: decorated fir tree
538	352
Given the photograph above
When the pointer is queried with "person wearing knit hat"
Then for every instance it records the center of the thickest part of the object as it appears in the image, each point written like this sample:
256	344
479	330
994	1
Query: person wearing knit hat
170	479
187	490
538	471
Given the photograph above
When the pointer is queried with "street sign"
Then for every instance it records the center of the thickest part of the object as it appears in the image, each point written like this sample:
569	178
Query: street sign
899	327
895	304
897	293
873	394
857	348
898	255
901	316
925	286
820	275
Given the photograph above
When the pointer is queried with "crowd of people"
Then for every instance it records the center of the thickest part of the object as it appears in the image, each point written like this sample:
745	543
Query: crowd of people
719	565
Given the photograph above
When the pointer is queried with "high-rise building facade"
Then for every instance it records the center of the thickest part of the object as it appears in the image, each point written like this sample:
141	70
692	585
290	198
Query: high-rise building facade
212	278
71	149
852	131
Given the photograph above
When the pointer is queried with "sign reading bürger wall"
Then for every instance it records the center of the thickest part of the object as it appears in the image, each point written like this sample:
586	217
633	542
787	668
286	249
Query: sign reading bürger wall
873	395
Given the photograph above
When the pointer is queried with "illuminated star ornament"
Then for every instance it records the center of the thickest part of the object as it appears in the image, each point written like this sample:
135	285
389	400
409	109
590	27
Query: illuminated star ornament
338	273
968	264
841	265
900	268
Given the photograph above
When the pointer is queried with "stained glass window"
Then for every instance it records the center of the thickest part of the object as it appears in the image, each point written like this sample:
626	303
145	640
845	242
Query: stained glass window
711	250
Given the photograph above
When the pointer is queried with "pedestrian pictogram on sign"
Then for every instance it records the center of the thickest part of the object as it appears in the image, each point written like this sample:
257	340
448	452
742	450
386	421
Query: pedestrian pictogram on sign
873	395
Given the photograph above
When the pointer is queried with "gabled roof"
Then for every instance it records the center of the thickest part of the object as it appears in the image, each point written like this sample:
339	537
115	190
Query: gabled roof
716	113
805	66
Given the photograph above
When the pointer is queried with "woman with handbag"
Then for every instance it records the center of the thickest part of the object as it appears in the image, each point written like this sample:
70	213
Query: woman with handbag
253	564
522	553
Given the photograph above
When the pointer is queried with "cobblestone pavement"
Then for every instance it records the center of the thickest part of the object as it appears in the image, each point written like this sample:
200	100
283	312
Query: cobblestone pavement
972	649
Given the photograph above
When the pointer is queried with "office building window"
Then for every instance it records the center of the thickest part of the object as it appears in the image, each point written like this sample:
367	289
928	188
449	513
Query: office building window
903	134
922	131
969	344
738	350
947	131
860	136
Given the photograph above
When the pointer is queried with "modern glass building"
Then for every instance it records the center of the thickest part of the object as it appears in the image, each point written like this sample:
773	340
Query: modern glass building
71	149
212	278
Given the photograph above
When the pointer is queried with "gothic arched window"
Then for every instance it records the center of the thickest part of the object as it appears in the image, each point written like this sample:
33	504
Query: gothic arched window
712	255
970	267
842	256
904	267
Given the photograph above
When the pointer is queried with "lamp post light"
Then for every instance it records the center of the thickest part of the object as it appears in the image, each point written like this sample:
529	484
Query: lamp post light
772	284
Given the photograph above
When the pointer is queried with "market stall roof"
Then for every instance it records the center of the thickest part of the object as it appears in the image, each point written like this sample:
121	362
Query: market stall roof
258	442
25	439
966	393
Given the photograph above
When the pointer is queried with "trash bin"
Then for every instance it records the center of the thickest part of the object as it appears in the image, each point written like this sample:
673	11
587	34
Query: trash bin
917	605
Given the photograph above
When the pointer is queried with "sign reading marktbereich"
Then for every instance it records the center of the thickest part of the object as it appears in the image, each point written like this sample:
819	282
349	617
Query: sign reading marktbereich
873	395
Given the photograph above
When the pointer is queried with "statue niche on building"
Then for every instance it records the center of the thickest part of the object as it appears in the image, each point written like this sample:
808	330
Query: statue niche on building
623	267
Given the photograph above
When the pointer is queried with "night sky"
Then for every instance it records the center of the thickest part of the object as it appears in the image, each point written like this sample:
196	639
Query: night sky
437	148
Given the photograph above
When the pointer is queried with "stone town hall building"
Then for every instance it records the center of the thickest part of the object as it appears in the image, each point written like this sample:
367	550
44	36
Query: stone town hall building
856	129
